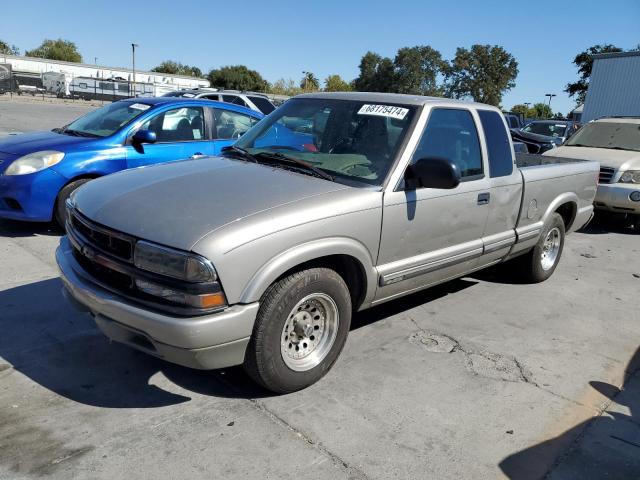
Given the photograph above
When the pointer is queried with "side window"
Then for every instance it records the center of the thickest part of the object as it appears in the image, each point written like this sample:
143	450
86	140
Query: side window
178	125
498	145
234	99
263	104
212	97
452	134
230	125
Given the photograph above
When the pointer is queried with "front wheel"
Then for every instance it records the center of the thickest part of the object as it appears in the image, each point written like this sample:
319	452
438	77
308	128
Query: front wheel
64	194
301	328
540	263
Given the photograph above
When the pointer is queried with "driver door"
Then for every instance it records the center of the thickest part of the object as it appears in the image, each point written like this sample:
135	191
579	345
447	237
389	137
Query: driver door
181	134
430	235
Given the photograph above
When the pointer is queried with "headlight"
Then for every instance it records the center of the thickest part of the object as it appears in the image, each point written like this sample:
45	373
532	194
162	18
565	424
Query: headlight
630	176
173	263
34	162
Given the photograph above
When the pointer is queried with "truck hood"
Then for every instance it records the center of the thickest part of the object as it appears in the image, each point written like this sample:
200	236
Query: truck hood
607	157
176	204
25	143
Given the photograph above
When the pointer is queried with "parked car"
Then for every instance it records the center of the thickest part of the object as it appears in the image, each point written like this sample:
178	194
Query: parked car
255	101
260	257
38	171
615	143
514	120
557	130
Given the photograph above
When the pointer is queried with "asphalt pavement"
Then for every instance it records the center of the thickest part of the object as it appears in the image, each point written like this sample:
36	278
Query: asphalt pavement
481	377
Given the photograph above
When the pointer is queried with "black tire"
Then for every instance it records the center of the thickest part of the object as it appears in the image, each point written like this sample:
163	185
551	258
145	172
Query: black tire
64	194
264	360
531	266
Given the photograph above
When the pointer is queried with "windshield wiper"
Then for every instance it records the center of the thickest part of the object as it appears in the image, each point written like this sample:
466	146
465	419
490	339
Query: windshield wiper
281	158
241	152
78	133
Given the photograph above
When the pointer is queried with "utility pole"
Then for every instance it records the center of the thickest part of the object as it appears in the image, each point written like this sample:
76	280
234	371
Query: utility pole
133	65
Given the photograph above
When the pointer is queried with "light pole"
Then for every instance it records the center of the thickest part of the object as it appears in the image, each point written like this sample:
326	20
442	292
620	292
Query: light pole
550	95
95	60
304	76
133	65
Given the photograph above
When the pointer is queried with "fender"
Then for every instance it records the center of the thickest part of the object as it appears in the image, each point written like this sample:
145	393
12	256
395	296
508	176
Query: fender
567	197
288	259
92	163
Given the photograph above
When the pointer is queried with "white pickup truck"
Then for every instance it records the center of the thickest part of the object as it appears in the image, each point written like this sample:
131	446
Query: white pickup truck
332	204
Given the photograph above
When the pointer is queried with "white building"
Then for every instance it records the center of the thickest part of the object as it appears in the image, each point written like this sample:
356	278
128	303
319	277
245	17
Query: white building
614	86
42	65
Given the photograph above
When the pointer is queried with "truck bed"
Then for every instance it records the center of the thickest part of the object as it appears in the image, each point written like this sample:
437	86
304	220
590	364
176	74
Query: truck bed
534	160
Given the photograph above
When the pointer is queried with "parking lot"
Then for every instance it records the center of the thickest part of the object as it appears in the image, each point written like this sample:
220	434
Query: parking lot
481	377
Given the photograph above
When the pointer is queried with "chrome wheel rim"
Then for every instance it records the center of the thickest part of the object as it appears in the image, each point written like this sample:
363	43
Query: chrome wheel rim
550	249
309	332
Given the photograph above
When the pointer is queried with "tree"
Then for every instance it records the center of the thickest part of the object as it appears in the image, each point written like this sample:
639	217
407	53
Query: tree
416	71
335	83
540	110
177	68
584	62
287	87
484	73
7	49
521	109
237	77
60	49
376	74
309	82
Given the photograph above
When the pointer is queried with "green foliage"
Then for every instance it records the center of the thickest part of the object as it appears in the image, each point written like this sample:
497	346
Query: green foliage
237	77
287	87
521	109
540	110
335	83
376	74
60	49
584	62
177	68
309	82
416	71
483	73
7	49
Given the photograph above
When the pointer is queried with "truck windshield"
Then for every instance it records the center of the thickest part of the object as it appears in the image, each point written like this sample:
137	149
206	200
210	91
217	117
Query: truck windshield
613	135
350	139
106	120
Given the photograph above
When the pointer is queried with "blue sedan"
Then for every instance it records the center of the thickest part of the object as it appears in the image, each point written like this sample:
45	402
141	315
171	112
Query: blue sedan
38	171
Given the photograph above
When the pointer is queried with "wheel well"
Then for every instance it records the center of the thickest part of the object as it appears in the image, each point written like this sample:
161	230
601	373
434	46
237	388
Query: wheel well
348	267
89	176
568	213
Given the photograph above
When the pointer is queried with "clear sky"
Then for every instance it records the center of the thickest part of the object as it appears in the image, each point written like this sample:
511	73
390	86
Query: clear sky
282	38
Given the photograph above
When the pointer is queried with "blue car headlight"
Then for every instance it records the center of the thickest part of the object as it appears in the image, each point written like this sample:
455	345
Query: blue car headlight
34	162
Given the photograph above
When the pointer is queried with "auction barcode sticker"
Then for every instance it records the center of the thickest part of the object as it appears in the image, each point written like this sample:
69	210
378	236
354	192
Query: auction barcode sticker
384	111
140	106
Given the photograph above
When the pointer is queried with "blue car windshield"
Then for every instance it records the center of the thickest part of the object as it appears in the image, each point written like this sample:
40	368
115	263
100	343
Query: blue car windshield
106	120
346	139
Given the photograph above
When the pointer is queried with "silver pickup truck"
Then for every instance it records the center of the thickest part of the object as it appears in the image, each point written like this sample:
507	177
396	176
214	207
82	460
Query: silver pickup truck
332	204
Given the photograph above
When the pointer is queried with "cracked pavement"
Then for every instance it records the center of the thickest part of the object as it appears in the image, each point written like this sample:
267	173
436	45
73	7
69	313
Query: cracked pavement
477	378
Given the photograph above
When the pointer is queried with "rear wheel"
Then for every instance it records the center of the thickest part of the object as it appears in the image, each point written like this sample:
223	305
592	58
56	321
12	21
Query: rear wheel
64	194
300	330
540	263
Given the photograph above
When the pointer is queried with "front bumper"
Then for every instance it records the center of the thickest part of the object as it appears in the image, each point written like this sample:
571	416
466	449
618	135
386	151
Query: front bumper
614	197
30	197
204	342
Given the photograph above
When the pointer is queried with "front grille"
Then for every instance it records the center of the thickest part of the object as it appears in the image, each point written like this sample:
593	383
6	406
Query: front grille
606	174
107	276
105	240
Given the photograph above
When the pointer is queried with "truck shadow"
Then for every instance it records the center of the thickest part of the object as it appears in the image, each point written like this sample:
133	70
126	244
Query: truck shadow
15	229
60	349
605	446
605	223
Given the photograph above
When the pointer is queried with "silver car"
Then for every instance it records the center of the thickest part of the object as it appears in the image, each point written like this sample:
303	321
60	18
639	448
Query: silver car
332	204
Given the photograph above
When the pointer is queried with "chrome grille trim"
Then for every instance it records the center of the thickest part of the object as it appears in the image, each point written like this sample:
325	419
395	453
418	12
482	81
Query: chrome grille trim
606	174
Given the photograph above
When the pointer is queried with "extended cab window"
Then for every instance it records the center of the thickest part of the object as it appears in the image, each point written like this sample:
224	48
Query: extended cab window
452	134
178	125
230	124
498	145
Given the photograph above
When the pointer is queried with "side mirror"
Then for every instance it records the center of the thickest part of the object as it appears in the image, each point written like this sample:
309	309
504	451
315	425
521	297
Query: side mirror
144	136
432	173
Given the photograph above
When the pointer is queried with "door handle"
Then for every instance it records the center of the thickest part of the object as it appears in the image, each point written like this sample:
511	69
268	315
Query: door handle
197	155
484	198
